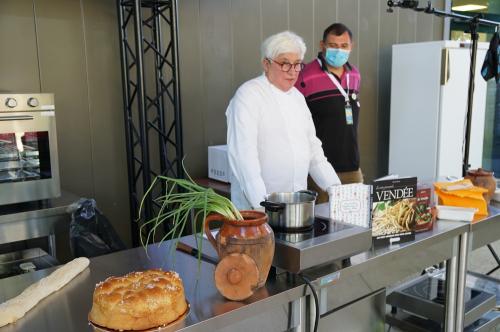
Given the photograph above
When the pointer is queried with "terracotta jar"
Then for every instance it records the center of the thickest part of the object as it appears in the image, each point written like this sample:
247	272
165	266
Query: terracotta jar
245	249
485	179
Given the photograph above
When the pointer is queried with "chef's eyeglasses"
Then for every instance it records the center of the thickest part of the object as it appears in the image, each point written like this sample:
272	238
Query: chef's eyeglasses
286	66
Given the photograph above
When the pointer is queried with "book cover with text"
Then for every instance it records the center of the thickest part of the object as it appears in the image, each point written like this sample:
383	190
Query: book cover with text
393	213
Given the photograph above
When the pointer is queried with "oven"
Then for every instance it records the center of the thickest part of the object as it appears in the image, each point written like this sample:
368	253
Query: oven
29	168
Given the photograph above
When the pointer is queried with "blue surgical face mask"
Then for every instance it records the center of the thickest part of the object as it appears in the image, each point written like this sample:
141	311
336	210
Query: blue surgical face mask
336	57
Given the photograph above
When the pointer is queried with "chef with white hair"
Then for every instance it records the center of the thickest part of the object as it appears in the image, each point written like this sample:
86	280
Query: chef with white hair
271	138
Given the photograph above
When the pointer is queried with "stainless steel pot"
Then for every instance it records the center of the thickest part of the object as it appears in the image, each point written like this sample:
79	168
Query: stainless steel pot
290	211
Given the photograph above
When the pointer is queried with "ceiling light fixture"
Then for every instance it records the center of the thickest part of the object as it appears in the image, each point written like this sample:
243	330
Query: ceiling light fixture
468	8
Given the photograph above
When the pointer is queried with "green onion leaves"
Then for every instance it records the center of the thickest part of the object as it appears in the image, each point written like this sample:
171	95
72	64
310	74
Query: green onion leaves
181	201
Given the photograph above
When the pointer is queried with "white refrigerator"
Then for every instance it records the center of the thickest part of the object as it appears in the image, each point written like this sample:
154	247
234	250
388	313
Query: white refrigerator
428	108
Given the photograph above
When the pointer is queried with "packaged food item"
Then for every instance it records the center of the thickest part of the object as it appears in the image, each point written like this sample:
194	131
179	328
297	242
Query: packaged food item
424	216
469	198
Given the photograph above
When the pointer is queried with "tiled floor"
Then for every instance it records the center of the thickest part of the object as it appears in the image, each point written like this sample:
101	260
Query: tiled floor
482	261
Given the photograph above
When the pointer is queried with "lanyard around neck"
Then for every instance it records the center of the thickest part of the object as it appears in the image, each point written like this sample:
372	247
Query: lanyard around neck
337	83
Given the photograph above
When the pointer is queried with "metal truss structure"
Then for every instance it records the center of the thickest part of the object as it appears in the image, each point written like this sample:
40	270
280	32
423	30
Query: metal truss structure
151	98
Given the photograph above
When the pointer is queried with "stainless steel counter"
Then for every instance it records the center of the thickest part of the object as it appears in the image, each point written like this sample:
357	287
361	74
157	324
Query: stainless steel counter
279	306
67	309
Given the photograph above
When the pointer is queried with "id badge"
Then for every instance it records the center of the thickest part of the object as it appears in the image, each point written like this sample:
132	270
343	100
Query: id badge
348	114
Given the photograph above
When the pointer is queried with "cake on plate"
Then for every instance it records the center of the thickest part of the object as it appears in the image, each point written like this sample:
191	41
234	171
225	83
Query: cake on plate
138	300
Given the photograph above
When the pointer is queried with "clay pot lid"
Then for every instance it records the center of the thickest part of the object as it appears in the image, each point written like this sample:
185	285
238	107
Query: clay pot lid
479	172
236	276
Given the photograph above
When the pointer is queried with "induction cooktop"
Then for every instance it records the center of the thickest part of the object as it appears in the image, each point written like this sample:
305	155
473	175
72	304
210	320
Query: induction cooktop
327	240
320	227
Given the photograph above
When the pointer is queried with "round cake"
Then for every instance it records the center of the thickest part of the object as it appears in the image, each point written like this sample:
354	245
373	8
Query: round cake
138	300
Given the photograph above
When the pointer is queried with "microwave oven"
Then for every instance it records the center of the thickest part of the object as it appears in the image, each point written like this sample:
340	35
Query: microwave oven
218	163
29	167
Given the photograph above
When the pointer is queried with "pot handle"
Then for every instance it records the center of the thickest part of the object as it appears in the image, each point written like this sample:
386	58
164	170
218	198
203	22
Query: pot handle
310	192
208	233
272	206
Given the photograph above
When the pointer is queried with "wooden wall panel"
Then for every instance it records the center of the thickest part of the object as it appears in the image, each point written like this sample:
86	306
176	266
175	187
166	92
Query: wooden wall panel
102	49
63	72
388	36
368	54
407	25
424	27
275	17
438	22
246	37
18	59
348	14
302	23
190	67
217	55
325	13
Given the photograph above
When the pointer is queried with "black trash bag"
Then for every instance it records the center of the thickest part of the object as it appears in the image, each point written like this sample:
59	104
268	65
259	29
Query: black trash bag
90	232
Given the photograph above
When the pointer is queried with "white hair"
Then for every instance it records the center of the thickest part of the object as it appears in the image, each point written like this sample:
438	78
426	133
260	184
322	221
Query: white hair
283	42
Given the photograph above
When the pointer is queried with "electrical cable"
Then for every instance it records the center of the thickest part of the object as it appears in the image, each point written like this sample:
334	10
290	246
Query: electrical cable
316	300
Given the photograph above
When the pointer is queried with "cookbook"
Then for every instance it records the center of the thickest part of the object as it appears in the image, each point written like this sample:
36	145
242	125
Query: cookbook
350	204
424	218
393	209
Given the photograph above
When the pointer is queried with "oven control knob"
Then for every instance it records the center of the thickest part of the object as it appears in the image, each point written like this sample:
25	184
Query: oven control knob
10	102
33	102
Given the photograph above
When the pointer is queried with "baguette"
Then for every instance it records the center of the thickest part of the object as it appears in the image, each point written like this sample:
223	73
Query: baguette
17	307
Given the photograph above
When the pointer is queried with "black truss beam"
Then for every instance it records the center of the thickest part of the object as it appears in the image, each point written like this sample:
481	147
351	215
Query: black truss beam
151	99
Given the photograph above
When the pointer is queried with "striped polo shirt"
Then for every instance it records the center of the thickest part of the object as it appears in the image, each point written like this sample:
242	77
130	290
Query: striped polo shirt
327	105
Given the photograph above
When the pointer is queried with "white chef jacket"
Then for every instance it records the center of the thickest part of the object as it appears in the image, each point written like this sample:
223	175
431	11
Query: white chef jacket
272	144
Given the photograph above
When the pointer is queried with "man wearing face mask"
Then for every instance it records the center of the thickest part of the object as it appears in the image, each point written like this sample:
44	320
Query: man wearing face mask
330	85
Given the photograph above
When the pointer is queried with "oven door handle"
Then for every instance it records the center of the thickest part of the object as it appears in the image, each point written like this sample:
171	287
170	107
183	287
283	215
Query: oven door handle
16	117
